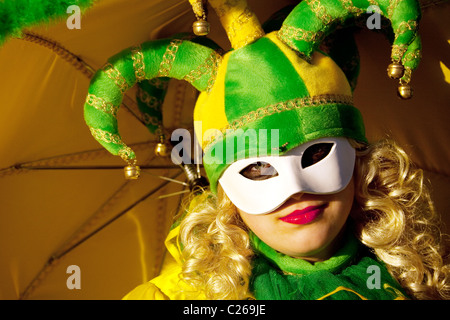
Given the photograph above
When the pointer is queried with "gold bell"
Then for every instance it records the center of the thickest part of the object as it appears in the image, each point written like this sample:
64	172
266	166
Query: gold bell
161	149
405	91
132	172
395	70
201	27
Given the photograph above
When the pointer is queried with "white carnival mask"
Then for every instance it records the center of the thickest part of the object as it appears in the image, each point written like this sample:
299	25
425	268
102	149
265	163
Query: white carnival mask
260	185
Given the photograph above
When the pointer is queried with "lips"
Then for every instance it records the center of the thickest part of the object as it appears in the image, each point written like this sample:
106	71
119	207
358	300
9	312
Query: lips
305	215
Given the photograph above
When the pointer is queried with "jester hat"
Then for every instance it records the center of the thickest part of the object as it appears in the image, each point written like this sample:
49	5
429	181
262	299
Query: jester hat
279	83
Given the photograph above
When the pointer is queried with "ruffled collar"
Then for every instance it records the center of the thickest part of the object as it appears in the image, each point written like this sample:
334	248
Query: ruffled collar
341	259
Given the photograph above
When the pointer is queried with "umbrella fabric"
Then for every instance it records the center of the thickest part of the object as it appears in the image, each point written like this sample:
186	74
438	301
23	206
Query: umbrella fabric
54	215
46	212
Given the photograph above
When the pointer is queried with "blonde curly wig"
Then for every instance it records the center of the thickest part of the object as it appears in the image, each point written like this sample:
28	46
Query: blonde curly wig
216	248
393	215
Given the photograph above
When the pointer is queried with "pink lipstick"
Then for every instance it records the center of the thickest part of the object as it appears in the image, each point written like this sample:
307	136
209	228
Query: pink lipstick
305	215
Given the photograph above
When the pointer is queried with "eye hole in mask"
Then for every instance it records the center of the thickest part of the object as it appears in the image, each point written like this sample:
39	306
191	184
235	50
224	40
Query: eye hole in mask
259	171
322	166
315	153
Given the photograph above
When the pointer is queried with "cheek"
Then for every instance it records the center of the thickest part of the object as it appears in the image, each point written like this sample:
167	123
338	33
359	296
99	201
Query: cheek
339	210
257	223
266	227
344	200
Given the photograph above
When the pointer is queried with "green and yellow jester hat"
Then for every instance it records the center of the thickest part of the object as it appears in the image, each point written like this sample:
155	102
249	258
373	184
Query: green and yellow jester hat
277	82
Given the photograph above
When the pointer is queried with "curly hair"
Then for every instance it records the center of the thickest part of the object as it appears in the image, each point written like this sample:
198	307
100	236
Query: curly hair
393	215
216	248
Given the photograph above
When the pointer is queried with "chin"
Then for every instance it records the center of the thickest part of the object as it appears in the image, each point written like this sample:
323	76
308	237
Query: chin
301	248
312	245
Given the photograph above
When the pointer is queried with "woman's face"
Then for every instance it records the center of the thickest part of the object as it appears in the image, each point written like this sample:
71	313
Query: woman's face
306	225
316	178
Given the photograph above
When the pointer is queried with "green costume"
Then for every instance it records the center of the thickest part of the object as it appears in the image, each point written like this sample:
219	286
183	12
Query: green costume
351	274
276	82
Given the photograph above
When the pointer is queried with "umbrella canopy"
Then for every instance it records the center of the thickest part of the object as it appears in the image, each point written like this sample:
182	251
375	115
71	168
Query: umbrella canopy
64	200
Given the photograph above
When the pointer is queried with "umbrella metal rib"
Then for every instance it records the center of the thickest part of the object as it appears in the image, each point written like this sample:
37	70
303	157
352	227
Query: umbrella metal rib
52	164
58	255
148	167
130	207
77	62
58	162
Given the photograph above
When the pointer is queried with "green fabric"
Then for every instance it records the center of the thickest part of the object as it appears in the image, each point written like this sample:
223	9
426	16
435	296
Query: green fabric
259	75
334	8
155	89
153	55
190	57
304	17
409	59
341	258
150	101
293	127
340	45
278	277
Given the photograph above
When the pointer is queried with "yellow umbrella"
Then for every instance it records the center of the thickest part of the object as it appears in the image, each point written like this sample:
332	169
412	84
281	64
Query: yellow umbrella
67	215
53	217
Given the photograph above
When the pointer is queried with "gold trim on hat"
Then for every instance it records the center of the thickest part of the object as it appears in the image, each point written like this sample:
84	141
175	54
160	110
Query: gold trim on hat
239	21
289	33
209	67
108	137
138	63
393	4
293	104
414	55
101	104
320	11
398	50
405	26
114	74
168	58
149	100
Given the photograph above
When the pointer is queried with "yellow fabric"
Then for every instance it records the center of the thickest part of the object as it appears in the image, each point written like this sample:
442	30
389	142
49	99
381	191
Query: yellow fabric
239	21
216	98
197	7
342	289
396	292
146	291
168	284
316	80
173	245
